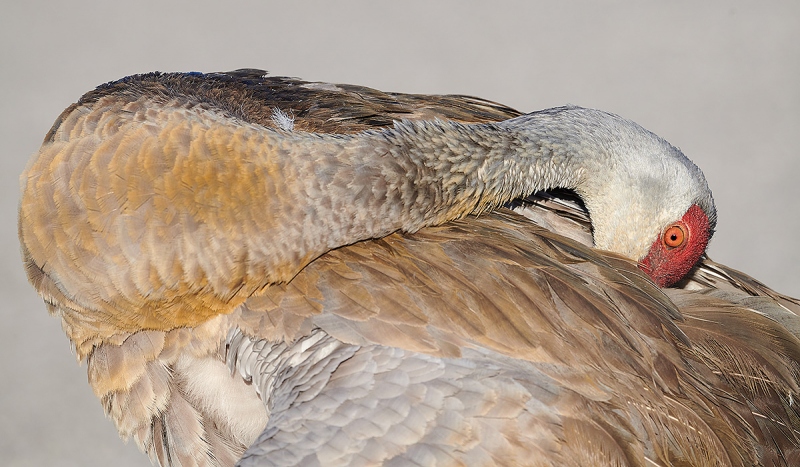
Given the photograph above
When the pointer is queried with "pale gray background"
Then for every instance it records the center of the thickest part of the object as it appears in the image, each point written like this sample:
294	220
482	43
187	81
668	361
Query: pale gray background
721	80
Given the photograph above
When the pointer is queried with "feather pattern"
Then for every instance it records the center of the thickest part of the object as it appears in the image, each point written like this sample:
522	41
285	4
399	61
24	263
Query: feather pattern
500	339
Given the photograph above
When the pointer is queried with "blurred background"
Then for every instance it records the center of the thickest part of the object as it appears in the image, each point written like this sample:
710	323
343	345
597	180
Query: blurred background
720	80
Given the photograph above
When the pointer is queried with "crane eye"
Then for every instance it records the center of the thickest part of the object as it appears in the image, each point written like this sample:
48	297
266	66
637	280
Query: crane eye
674	236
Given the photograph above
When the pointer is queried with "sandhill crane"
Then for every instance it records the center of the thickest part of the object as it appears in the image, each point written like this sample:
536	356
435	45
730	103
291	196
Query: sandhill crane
280	272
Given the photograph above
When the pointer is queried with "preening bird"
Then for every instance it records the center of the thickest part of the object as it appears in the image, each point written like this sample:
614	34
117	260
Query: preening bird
280	272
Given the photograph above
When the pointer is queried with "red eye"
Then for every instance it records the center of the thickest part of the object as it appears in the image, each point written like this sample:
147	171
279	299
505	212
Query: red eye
674	236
